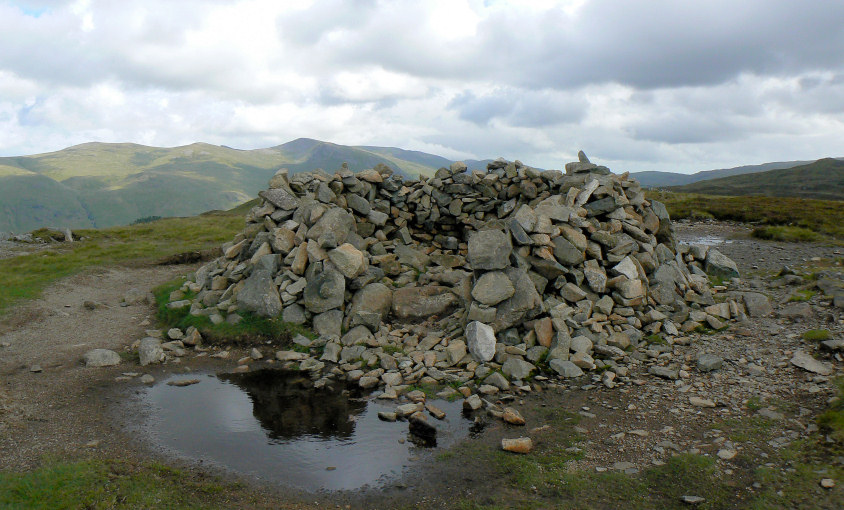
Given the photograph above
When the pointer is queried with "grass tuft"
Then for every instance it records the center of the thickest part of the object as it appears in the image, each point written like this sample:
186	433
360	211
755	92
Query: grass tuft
786	234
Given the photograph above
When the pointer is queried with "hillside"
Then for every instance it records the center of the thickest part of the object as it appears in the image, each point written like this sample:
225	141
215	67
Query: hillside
105	184
822	179
650	179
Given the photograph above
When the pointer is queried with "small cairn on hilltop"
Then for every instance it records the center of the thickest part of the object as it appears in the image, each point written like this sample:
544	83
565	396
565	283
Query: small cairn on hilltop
465	276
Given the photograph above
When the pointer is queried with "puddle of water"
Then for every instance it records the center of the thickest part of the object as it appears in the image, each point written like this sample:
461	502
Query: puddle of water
274	425
708	240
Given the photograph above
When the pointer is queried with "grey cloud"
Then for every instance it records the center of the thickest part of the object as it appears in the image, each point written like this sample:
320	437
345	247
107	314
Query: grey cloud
518	107
642	43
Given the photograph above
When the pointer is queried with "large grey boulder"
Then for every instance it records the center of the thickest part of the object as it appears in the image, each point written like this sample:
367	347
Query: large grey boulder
348	260
280	198
101	358
719	265
260	295
517	368
358	204
565	368
525	302
335	221
150	351
374	298
757	304
489	249
493	288
480	340
325	291
329	323
412	257
567	253
357	335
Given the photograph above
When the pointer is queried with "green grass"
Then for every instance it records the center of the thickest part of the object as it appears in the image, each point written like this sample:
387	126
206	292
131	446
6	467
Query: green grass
817	335
250	330
101	484
832	420
802	295
823	179
786	234
819	216
25	277
393	349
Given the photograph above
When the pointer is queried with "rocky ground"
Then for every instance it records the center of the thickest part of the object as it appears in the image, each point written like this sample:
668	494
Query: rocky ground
742	413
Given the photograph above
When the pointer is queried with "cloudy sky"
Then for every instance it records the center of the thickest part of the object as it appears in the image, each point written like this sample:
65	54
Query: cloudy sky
638	84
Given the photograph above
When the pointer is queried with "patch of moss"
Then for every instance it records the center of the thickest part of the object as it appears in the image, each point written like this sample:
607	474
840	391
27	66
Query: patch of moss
817	335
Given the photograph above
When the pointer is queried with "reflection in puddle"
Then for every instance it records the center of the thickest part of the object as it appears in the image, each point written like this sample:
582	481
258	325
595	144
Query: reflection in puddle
276	426
709	240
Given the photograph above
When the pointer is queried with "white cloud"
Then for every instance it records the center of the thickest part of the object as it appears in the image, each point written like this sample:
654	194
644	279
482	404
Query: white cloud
638	84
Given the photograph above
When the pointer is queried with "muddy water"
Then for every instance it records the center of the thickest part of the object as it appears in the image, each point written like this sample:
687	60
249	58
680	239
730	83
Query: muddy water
275	426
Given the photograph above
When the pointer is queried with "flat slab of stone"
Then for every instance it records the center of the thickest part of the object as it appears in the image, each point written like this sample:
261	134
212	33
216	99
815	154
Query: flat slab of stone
805	361
757	304
422	302
489	249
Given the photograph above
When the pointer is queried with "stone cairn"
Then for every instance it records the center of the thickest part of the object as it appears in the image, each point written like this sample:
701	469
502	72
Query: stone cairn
487	277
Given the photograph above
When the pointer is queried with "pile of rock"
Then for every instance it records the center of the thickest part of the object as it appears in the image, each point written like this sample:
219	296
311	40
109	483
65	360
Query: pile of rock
458	276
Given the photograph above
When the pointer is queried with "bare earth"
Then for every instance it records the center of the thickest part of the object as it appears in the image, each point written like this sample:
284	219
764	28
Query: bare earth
68	409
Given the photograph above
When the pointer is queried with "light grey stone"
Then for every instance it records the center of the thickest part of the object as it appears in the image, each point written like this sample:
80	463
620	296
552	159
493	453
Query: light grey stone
492	288
329	323
497	380
150	351
335	220
489	249
708	362
260	295
719	265
565	368
480	340
325	292
294	314
517	368
805	361
101	358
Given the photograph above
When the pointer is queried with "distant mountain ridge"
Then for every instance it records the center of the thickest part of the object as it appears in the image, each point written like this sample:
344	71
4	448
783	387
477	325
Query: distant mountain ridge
103	184
652	179
822	179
